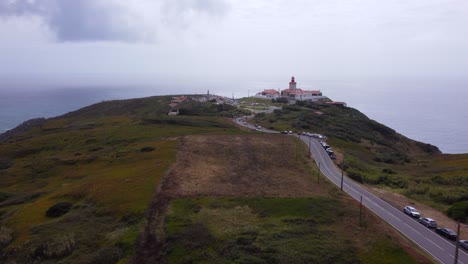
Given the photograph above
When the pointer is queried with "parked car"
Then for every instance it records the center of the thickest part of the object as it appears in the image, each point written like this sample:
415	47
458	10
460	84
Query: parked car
284	132
447	232
411	211
428	222
464	244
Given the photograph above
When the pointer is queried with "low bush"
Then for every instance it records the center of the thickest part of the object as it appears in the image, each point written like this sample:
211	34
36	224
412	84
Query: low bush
459	211
5	163
448	195
147	149
4	196
419	189
392	181
355	175
57	247
59	209
282	100
110	255
6	236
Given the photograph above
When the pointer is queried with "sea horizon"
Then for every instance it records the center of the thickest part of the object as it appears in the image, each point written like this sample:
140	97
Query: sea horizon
436	118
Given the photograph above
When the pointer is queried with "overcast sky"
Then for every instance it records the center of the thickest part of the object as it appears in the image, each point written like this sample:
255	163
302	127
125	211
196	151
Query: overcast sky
143	40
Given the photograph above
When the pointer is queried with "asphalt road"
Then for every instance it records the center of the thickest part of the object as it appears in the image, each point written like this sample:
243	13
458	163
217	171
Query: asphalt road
441	249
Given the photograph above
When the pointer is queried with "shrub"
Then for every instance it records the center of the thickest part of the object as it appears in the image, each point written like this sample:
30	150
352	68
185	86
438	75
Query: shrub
59	209
392	181
419	189
448	196
107	256
459	211
5	163
283	100
389	171
6	236
355	175
4	196
147	149
55	248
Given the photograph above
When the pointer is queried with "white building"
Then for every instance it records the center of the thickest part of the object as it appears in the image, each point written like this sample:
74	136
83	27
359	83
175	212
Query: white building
268	93
295	93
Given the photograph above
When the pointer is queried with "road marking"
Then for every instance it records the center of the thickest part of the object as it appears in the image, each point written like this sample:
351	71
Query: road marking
459	261
333	175
434	244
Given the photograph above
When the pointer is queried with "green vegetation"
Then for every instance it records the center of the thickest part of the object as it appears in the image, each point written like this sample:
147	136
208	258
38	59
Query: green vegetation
381	251
257	104
377	155
195	108
272	230
93	171
459	211
59	209
76	188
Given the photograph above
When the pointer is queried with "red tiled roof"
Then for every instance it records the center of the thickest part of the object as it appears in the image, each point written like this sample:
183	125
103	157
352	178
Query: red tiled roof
269	91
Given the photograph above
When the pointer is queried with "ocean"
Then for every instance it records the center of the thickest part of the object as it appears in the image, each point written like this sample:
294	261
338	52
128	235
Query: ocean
429	111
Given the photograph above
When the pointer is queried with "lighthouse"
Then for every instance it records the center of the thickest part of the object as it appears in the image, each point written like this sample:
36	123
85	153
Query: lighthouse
292	84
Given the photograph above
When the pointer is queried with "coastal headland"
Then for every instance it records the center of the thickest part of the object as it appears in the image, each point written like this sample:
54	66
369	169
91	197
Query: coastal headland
172	179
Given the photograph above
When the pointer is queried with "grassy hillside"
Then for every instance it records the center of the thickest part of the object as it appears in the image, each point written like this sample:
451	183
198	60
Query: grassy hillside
256	199
77	188
377	155
104	162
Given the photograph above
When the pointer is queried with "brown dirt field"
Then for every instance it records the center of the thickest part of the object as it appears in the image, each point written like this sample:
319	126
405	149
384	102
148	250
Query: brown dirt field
247	166
399	201
251	165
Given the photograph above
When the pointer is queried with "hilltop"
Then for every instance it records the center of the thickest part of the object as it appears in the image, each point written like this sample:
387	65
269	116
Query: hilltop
122	181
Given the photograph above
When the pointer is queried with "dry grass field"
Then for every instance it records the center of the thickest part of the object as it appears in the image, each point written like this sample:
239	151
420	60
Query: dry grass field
242	166
254	198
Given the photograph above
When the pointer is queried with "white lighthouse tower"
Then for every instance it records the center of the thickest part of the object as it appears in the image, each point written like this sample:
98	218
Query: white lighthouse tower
292	84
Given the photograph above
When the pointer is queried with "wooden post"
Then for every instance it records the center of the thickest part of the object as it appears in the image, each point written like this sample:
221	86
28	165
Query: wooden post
457	242
360	212
342	171
318	174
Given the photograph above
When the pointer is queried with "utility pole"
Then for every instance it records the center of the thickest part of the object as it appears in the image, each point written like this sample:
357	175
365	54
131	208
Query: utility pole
360	212
342	171
318	174
457	243
310	153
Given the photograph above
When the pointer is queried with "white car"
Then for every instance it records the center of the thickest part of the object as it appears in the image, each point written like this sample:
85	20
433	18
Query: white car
411	211
464	244
428	222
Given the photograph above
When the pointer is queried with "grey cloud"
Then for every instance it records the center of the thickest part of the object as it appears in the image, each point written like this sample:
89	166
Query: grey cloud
182	12
108	20
212	7
88	20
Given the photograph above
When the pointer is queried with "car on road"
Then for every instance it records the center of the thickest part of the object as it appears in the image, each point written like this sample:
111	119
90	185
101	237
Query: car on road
447	232
464	244
411	211
428	222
